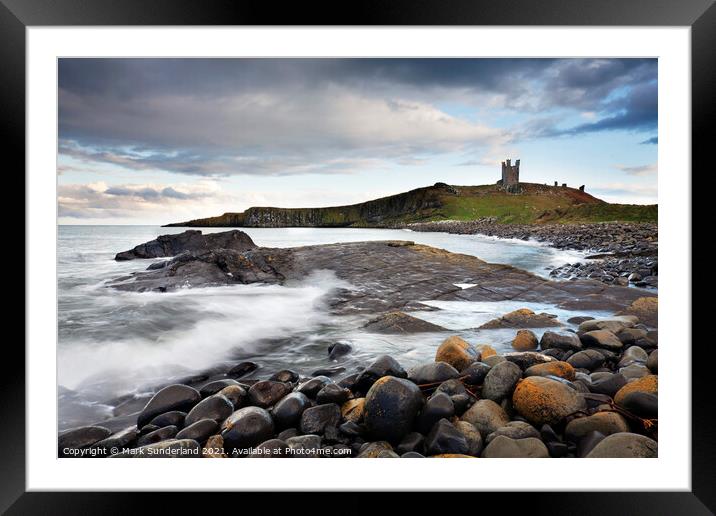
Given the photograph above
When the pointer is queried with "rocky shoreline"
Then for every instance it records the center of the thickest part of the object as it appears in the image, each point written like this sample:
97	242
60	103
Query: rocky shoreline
589	393
585	390
622	253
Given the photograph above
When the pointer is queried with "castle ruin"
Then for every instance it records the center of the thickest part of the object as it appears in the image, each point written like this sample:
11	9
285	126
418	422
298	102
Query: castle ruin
510	173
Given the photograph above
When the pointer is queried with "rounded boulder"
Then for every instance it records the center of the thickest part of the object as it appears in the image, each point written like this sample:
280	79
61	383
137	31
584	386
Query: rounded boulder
391	406
625	445
500	381
556	368
648	384
456	352
545	401
247	427
525	340
173	397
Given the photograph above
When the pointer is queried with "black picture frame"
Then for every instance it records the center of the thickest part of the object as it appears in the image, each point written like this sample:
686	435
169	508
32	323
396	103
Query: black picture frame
17	15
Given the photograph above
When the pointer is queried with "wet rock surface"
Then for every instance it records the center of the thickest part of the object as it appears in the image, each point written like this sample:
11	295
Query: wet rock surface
407	272
400	322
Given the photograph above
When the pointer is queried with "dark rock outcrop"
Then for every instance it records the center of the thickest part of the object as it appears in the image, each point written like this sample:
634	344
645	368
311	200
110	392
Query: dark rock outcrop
400	322
387	276
191	240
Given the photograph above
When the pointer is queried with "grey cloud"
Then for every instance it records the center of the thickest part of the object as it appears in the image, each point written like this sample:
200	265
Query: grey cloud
654	140
639	170
101	201
218	117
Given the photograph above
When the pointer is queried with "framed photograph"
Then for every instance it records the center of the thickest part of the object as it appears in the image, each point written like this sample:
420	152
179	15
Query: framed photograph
425	231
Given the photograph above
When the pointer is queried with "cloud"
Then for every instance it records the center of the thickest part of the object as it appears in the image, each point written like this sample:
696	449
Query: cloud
160	204
331	132
98	200
626	192
635	109
221	117
654	140
639	170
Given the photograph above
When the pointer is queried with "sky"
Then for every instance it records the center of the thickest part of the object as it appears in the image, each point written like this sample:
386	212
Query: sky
152	141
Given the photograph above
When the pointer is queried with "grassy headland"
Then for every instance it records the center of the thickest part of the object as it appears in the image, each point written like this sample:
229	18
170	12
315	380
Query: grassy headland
534	203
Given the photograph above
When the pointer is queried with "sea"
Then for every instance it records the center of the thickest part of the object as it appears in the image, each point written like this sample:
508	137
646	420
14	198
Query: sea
114	344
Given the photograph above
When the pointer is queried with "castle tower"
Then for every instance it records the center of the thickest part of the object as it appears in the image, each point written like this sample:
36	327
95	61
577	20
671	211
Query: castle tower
510	173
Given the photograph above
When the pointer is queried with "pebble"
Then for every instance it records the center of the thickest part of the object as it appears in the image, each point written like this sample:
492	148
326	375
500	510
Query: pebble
156	436
544	400
314	420
606	423
590	359
199	431
339	349
308	444
613	324
173	397
602	339
642	404
236	394
475	373
561	341
514	430
332	393
634	371
493	360
412	442
412	455
311	387
391	407
525	340
353	410
287	412
174	417
215	407
214	387
526	359
556	368
500	381
242	369
648	384
472	437
588	442
504	447
247	427
456	352
123	439
486	416
445	438
432	372
653	361
625	445
285	376
374	449
271	448
439	406
608	385
79	438
267	393
385	365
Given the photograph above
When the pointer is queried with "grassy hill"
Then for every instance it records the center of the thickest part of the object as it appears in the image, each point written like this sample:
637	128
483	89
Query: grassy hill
533	204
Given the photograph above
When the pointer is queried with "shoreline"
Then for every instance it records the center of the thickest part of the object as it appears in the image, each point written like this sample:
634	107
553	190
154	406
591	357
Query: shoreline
622	253
584	393
589	393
